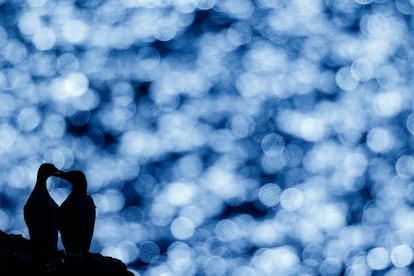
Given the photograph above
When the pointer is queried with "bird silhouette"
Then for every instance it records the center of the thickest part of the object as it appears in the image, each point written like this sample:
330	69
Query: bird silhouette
76	215
40	212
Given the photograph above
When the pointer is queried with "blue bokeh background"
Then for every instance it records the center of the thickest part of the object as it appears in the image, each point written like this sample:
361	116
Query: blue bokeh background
219	137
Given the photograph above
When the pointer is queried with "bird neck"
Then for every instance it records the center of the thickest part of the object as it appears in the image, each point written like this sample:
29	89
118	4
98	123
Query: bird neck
40	185
42	178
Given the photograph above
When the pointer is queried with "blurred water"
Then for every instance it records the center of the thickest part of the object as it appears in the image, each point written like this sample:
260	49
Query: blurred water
233	137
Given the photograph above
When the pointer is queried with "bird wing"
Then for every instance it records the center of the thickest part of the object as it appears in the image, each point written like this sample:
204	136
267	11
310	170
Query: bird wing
76	222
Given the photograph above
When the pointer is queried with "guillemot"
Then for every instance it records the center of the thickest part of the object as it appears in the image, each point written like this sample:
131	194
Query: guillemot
76	215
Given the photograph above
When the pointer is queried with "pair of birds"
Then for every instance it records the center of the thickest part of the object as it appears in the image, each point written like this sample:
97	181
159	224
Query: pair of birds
74	219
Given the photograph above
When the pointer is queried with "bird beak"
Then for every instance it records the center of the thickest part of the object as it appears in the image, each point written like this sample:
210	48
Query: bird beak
58	173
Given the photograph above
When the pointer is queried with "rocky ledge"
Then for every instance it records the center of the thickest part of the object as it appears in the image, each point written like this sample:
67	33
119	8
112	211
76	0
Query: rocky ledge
16	259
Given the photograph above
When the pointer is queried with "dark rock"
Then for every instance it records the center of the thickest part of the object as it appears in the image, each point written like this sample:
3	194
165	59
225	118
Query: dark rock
16	258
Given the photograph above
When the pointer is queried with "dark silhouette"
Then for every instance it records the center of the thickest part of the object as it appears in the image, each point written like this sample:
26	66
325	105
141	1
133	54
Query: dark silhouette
76	216
75	219
16	258
40	215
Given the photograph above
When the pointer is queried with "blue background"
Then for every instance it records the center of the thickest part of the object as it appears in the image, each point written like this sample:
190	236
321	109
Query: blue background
230	137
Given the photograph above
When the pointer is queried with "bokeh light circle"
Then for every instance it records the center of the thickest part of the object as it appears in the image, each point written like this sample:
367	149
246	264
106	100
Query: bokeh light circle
269	194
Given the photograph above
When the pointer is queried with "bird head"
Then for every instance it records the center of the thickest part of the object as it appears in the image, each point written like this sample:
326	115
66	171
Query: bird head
77	179
46	170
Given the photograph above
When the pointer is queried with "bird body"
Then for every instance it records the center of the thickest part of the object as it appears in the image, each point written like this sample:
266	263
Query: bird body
40	212
76	216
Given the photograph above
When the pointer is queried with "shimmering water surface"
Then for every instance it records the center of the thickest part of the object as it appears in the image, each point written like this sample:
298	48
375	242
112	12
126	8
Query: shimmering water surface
219	137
